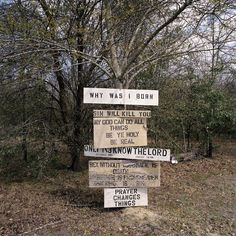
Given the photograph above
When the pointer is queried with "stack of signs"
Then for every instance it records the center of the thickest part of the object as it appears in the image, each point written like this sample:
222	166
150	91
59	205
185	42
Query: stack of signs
119	134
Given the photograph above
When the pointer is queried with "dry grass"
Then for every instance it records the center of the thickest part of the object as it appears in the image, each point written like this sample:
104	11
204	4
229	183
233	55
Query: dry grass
195	198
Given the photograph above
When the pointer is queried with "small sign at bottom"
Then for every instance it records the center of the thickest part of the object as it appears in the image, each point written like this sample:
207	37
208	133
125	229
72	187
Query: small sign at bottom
125	197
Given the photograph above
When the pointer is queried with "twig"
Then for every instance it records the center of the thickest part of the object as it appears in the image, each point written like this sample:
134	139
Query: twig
43	226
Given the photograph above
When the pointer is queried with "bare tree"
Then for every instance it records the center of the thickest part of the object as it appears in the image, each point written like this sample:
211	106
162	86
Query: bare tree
82	43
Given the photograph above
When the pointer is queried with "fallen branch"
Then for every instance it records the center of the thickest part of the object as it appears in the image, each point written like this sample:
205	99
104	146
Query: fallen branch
41	227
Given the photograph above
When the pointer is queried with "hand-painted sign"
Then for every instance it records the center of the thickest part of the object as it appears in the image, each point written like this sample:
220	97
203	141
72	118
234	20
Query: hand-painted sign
125	197
124	173
131	153
121	96
119	132
121	113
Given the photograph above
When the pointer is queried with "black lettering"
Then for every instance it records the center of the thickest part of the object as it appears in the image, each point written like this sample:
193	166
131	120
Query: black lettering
96	95
129	150
115	95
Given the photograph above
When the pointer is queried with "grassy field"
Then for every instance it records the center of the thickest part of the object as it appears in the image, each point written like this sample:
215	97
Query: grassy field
195	198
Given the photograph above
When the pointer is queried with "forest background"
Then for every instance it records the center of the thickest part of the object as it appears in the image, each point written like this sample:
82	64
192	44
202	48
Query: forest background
51	49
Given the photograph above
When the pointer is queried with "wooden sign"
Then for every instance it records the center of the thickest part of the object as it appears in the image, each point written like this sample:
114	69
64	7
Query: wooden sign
121	96
124	173
121	113
119	132
125	197
131	153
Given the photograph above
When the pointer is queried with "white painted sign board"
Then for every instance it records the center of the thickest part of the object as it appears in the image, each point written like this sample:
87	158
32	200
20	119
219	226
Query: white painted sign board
131	153
119	132
125	197
121	96
124	173
121	113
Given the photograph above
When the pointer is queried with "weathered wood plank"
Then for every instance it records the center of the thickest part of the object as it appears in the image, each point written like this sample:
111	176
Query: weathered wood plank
121	113
124	173
119	132
129	153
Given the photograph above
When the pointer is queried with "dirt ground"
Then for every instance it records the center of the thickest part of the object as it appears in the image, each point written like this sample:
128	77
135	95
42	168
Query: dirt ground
195	198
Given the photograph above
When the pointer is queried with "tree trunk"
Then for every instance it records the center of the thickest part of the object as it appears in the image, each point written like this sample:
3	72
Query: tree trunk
188	137
75	156
77	139
209	146
24	131
184	136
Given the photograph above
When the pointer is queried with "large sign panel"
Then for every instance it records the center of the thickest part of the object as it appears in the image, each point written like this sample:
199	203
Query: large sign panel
121	96
125	197
124	173
119	132
132	153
